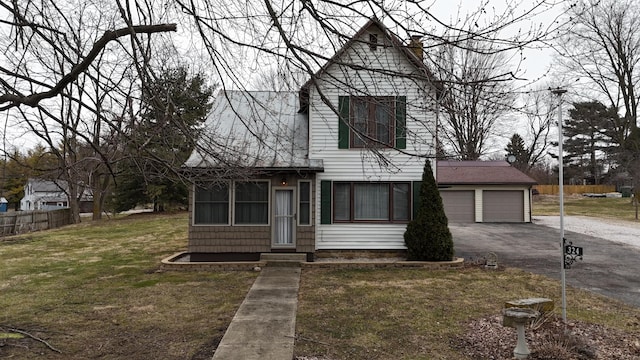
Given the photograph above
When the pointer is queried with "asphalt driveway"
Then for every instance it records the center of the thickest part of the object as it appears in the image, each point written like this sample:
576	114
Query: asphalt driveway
608	267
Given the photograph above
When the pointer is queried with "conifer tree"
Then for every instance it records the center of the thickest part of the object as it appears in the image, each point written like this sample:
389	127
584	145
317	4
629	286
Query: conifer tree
588	133
174	108
427	236
516	147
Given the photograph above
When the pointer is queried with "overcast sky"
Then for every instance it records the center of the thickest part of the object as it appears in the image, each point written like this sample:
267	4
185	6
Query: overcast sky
535	64
548	15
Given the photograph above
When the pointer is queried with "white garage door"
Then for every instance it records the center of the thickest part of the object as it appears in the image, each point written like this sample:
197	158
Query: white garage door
503	206
459	206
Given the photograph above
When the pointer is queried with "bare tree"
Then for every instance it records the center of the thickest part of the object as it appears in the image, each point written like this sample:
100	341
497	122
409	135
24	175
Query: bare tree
478	95
237	40
539	112
65	80
602	45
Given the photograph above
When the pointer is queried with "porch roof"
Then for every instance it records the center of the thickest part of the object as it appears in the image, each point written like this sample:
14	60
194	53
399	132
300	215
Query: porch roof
254	129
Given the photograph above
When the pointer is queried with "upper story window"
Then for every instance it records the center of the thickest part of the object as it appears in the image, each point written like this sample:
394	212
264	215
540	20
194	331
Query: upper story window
373	42
372	121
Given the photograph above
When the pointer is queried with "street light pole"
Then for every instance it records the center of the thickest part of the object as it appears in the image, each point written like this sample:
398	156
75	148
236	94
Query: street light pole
558	92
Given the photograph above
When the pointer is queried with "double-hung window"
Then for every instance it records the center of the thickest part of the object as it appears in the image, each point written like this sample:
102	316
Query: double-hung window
371	202
372	121
211	205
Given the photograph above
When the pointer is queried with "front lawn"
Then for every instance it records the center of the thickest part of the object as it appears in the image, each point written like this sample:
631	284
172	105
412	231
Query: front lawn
424	314
93	290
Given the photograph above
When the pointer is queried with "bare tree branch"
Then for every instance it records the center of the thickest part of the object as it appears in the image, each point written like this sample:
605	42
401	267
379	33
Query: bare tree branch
33	99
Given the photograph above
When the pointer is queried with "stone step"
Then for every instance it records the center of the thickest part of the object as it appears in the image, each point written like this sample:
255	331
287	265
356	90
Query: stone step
299	257
283	259
283	263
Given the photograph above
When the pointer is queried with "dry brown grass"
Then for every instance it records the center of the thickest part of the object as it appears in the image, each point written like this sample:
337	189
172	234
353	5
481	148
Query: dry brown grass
607	208
423	314
94	291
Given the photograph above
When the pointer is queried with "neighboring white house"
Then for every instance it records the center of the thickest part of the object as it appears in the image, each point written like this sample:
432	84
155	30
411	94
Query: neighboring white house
333	166
49	195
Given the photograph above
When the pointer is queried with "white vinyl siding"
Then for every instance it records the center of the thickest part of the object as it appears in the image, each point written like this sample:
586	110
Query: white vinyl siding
355	165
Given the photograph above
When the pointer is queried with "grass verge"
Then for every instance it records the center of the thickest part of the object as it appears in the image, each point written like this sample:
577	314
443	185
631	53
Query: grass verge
93	291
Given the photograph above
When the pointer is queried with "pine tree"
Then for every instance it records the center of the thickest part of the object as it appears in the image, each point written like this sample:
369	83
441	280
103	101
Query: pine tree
174	108
587	133
516	147
427	236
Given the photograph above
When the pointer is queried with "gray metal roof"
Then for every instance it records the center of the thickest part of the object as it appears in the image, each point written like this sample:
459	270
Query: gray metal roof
40	185
259	129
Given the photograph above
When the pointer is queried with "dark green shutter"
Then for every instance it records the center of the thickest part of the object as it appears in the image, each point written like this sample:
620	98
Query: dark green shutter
401	122
416	197
343	122
325	202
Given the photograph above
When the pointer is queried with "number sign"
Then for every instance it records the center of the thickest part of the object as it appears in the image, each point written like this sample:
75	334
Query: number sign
573	250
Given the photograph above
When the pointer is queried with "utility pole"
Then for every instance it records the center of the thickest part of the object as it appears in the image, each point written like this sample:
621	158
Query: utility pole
558	92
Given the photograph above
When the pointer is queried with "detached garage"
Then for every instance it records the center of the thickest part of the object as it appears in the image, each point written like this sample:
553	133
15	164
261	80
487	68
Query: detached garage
484	191
459	205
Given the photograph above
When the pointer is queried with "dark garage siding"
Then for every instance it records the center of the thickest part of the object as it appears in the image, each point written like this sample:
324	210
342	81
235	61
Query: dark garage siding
503	206
459	205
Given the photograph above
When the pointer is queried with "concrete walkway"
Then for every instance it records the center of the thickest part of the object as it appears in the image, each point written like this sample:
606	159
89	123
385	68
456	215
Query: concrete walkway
264	325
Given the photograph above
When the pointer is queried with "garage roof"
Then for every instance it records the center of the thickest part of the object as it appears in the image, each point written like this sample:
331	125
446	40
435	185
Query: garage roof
480	172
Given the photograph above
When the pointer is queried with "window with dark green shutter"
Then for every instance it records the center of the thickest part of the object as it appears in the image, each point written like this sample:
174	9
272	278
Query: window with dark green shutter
372	121
371	202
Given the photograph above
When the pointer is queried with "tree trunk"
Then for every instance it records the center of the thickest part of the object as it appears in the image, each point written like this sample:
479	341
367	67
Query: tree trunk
74	202
99	194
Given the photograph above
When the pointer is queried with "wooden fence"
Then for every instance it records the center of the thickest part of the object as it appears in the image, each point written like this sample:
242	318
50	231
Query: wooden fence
575	189
26	221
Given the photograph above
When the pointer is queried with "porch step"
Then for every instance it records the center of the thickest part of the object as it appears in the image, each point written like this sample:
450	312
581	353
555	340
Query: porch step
283	259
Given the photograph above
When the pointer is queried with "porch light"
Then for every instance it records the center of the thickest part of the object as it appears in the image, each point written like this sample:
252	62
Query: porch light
283	182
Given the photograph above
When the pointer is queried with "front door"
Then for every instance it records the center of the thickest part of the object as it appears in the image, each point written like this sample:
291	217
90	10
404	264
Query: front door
284	219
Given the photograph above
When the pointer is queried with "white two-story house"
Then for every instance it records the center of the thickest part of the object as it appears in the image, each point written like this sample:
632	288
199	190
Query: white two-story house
42	194
335	166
